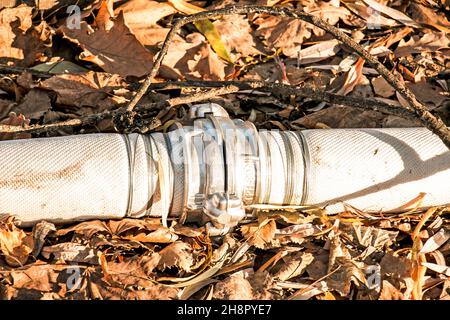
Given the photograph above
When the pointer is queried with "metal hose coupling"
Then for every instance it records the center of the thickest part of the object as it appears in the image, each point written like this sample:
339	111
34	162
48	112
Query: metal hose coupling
214	170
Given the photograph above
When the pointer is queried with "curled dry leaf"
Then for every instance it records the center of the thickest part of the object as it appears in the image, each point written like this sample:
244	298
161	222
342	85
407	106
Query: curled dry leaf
436	241
71	252
330	13
86	229
15	244
116	50
294	265
371	21
437	268
318	52
161	235
307	291
429	17
429	42
392	13
40	232
111	227
121	226
295	233
288	216
186	231
261	234
368	236
192	58
103	19
177	254
206	65
349	272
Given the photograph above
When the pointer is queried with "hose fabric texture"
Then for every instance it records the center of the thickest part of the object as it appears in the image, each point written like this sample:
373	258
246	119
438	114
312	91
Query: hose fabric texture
102	176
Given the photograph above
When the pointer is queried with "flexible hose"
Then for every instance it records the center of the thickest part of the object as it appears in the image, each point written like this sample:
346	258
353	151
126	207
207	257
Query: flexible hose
102	176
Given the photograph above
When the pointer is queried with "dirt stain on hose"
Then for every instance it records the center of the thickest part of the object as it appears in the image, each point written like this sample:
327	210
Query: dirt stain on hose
37	179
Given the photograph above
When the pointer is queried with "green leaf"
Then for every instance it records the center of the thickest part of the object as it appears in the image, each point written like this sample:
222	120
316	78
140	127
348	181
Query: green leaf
59	67
207	28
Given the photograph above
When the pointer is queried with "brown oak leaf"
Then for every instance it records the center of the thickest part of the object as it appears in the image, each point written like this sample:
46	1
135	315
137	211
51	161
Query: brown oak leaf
115	50
141	16
177	254
92	89
20	43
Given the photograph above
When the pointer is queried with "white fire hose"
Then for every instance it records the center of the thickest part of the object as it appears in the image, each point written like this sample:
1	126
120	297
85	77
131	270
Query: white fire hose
215	169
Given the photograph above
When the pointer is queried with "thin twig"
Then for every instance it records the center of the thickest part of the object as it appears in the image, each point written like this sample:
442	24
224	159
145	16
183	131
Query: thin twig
304	91
92	119
433	123
223	88
203	95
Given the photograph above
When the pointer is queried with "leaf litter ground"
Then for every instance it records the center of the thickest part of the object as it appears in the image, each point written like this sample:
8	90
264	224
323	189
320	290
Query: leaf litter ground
52	73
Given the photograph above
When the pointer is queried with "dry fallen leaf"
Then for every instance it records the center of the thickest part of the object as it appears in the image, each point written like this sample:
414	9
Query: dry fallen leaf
40	232
133	271
5	108
193	58
349	272
294	265
71	252
206	65
15	244
369	236
389	292
93	89
430	17
260	234
40	277
318	52
116	50
284	33
177	254
34	105
161	235
392	13
429	42
373	20
141	16
244	285
382	87
436	241
237	35
15	120
20	43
